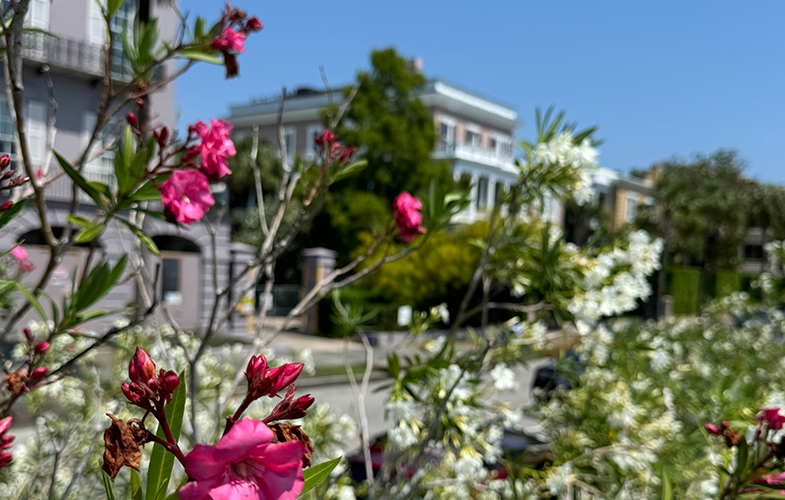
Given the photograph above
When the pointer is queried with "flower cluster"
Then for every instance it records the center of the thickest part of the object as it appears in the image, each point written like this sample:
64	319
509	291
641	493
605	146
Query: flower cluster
28	375
649	386
186	193
333	151
20	254
569	163
8	179
234	27
406	211
614	281
258	458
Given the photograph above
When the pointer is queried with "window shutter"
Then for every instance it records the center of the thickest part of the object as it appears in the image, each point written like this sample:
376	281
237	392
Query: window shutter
96	26
88	122
36	131
38	15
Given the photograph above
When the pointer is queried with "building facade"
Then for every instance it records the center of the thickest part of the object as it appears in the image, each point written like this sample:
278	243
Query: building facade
475	134
72	56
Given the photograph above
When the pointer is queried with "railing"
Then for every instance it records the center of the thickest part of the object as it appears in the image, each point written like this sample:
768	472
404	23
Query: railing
61	188
77	56
473	153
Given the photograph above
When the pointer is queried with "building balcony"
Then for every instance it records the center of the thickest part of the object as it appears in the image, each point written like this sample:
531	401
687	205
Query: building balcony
61	189
77	57
469	153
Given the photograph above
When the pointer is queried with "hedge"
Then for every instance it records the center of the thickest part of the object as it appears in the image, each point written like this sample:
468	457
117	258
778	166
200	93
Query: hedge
684	286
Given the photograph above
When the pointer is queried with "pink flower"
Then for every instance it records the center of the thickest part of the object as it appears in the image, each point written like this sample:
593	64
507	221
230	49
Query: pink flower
41	347
407	216
20	253
326	137
712	429
215	148
187	195
245	464
773	417
772	478
5	441
230	41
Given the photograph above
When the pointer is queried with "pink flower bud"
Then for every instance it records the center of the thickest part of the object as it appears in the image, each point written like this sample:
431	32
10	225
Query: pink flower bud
284	376
254	24
712	429
28	334
39	373
131	118
163	136
5	160
141	369
170	381
255	365
41	348
304	402
5	206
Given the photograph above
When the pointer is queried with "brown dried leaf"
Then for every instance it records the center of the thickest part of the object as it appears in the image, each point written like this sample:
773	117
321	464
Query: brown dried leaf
289	432
14	383
121	447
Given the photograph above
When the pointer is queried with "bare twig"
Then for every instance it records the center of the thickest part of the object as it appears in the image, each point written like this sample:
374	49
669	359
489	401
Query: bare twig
359	395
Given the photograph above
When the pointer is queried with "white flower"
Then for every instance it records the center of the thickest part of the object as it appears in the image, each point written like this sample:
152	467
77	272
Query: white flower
399	409
402	436
433	346
444	313
560	480
503	378
469	467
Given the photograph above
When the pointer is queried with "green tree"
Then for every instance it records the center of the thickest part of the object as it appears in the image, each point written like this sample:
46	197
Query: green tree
392	129
702	211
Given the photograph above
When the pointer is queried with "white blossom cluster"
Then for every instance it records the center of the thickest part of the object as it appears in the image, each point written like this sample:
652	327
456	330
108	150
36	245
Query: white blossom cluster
647	390
575	161
615	281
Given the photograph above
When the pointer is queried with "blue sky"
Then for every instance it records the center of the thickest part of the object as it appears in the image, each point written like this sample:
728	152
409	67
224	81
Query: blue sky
659	78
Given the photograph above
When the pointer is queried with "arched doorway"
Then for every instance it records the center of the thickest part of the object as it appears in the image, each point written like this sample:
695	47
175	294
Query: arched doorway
180	279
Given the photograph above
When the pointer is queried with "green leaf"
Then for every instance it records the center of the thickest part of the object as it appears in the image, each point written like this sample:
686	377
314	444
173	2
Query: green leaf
173	496
667	493
80	221
114	5
161	461
743	453
347	170
143	238
89	234
148	192
108	488
136	486
80	181
200	54
8	215
30	297
316	474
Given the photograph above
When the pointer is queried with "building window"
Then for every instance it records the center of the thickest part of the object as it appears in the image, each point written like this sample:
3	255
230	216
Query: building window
446	134
311	149
7	131
498	192
121	21
100	161
482	192
171	290
473	138
630	210
290	137
753	252
37	15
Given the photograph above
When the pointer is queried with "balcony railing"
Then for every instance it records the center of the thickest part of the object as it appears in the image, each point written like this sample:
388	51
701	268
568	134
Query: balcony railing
474	154
84	58
61	188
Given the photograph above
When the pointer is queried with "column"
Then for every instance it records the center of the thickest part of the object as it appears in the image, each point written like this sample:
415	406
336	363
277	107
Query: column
318	263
